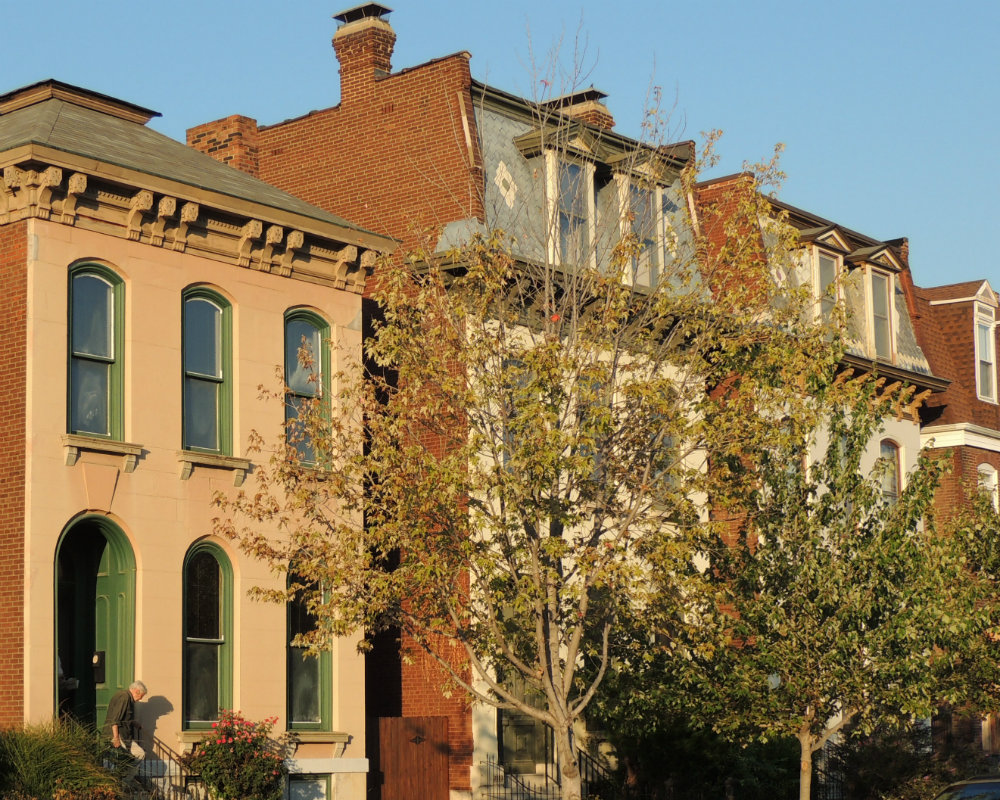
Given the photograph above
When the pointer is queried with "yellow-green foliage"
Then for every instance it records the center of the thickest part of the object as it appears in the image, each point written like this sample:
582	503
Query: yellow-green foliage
60	759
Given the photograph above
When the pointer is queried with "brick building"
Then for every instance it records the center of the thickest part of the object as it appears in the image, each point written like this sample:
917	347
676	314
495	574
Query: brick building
148	292
449	156
957	329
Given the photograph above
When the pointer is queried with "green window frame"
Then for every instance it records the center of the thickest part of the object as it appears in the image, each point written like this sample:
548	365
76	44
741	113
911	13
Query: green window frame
207	364
309	704
96	345
307	377
207	648
305	786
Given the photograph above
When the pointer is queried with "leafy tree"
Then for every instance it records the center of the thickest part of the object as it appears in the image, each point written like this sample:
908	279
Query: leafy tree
526	445
840	604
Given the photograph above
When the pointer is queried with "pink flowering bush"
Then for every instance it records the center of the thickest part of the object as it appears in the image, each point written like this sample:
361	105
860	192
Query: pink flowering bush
238	760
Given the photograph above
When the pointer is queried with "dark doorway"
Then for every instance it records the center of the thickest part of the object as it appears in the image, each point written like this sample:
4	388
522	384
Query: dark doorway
95	623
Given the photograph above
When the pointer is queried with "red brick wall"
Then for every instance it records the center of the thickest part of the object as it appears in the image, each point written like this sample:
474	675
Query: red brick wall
394	160
232	141
963	481
732	268
13	351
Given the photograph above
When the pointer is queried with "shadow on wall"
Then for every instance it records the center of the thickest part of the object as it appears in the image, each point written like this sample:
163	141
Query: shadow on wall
147	713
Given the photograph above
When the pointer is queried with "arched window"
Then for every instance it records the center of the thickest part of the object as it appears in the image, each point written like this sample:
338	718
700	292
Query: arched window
309	677
988	483
96	345
208	404
307	375
208	634
889	452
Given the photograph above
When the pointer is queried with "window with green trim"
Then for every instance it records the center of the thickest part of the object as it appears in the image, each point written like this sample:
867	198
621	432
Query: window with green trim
207	422
309	677
208	635
309	787
96	347
307	371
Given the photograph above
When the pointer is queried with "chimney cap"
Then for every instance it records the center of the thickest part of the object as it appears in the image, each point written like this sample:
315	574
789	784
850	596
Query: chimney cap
574	98
364	11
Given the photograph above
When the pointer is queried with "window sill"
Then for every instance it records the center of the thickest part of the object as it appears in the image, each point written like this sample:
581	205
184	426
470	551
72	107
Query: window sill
336	738
189	459
76	444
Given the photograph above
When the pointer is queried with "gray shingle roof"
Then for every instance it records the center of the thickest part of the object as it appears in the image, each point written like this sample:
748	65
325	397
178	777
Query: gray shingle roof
86	132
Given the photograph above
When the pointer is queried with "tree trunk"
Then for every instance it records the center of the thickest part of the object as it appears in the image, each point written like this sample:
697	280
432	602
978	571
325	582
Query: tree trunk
569	767
805	765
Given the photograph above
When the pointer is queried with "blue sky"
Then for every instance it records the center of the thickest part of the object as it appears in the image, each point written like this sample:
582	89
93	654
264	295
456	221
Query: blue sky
888	110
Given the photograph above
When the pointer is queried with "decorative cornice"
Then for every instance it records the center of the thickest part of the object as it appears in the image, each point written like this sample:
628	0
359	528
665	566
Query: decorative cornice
919	379
196	225
961	434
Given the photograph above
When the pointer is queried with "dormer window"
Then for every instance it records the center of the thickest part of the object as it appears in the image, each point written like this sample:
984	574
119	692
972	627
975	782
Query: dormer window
985	354
880	287
573	190
825	272
646	216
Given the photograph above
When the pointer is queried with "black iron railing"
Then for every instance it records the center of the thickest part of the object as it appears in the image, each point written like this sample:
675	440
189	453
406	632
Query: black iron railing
163	776
498	784
598	782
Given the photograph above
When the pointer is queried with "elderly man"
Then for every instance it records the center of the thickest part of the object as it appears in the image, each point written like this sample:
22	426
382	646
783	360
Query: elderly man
119	725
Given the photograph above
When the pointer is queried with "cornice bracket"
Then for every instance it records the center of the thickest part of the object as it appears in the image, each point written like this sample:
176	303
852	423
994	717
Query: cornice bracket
166	208
189	214
249	233
273	237
346	262
77	185
138	205
47	182
296	239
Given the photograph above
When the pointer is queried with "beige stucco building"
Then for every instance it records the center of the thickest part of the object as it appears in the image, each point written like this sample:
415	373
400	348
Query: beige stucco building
148	292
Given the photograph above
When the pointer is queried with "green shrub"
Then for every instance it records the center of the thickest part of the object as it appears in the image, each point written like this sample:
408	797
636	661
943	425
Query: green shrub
238	760
60	759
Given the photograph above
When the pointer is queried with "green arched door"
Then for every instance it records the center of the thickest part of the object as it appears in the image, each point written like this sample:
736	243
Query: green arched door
95	626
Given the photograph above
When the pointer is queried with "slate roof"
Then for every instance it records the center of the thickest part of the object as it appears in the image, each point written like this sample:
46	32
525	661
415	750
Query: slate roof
953	291
66	126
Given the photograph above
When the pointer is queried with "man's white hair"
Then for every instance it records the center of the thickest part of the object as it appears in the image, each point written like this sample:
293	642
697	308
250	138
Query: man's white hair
140	686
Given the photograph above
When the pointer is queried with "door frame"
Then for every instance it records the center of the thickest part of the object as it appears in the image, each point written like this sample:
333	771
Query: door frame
121	552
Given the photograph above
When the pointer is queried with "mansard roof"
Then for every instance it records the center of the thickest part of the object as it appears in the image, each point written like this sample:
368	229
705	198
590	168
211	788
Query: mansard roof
857	248
957	292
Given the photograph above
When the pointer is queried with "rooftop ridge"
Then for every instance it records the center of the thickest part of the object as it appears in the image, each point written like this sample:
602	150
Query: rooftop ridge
57	90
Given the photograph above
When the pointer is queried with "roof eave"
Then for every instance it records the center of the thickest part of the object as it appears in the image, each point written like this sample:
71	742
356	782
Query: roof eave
228	203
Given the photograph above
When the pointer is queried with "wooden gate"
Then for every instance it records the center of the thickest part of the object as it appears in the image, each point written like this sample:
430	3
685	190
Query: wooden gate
413	758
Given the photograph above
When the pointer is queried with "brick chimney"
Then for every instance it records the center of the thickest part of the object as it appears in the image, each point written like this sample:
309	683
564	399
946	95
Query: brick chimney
586	105
363	44
232	141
